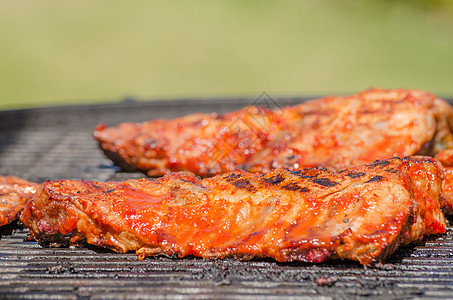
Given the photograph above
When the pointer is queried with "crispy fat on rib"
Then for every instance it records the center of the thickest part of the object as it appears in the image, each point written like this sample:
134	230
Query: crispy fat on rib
14	193
332	132
362	213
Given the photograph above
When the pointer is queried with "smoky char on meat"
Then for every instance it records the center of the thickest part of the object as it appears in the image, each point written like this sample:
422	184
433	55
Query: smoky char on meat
362	213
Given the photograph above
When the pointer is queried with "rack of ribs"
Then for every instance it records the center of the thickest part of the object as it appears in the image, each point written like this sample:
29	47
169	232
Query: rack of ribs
362	213
332	132
14	193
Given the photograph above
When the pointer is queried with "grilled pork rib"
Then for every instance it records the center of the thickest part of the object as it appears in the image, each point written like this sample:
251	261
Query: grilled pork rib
332	132
445	160
362	213
14	193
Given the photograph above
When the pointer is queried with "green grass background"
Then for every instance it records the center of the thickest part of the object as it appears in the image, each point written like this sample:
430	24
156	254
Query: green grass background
69	52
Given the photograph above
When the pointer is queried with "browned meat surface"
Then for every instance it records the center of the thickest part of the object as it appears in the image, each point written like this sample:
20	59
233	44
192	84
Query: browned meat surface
14	193
332	132
445	159
362	213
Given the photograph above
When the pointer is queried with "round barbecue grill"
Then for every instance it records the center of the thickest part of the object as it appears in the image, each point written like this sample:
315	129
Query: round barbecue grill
54	143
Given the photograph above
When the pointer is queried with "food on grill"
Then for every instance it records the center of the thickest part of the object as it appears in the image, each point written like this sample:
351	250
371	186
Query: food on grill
14	193
362	213
445	159
332	132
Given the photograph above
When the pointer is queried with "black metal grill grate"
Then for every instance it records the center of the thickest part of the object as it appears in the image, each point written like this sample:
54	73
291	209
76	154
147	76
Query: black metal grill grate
54	143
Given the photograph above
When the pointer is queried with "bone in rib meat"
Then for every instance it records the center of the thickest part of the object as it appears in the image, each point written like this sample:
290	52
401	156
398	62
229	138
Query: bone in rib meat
14	193
332	132
361	213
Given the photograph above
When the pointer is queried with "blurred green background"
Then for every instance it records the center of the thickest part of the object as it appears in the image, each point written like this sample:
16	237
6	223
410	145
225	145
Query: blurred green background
70	52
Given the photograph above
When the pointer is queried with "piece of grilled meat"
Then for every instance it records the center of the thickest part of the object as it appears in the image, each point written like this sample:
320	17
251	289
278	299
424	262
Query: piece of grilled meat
332	132
362	213
14	193
445	159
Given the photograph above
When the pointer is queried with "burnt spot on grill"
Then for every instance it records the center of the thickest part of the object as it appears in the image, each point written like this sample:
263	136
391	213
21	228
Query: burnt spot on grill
326	182
274	180
356	174
378	163
391	170
243	184
295	187
60	269
374	178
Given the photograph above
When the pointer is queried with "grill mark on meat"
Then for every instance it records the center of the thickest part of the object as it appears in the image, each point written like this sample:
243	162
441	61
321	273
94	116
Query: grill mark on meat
297	172
235	179
326	182
233	176
314	172
391	170
274	180
355	175
295	187
379	163
243	184
374	178
185	180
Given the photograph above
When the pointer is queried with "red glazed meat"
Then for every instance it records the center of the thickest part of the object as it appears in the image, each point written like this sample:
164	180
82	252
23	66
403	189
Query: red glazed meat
14	193
362	213
332	132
